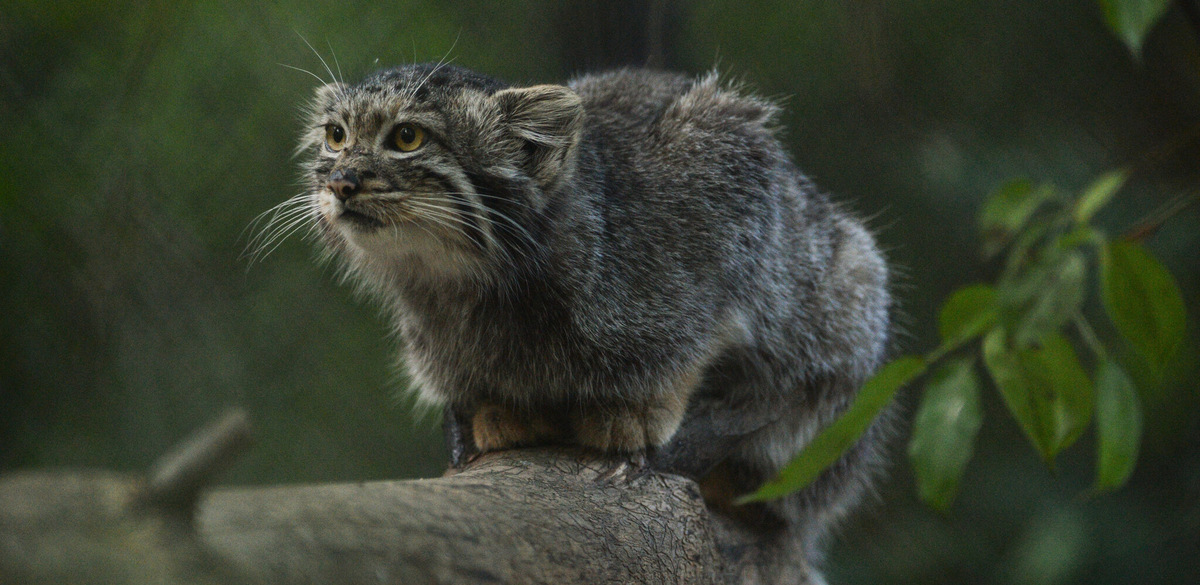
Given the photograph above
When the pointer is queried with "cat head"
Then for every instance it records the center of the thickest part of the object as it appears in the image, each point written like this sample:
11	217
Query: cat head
435	170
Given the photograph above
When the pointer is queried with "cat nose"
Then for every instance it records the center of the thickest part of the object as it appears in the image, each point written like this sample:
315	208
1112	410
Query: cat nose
343	183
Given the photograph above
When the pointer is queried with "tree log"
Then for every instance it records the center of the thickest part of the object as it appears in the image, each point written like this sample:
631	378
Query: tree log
556	516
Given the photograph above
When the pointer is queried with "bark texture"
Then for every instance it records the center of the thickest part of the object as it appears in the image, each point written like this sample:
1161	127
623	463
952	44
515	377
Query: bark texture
527	516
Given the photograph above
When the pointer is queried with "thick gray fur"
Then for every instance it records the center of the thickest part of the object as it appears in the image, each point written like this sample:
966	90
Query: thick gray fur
605	247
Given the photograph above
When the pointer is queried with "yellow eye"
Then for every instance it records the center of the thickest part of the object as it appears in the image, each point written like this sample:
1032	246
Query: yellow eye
335	137
408	137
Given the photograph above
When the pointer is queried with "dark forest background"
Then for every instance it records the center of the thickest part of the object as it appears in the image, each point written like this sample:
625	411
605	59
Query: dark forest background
140	139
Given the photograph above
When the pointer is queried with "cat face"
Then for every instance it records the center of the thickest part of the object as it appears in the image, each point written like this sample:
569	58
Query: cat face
436	168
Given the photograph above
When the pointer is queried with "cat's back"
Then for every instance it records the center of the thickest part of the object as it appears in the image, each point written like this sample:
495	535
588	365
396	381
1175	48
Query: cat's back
628	98
692	153
685	188
669	127
658	103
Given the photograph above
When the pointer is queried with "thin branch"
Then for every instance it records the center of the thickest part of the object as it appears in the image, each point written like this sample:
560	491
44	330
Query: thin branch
1157	218
1089	337
177	477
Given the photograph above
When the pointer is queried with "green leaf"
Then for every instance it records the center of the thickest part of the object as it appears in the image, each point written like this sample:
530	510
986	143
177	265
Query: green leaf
1118	426
968	313
1007	372
1098	194
1131	20
1045	389
944	431
828	446
1045	297
1143	301
1007	210
1073	399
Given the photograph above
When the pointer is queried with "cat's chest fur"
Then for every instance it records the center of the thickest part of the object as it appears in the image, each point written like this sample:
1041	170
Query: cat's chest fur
496	343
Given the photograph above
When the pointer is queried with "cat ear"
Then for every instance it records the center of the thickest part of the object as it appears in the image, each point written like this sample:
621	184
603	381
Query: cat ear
549	118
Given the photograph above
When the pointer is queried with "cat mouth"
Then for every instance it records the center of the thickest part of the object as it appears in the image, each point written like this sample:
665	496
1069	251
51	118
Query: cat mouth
359	220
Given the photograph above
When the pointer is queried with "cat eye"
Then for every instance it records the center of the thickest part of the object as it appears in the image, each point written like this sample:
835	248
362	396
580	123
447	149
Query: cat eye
408	137
335	137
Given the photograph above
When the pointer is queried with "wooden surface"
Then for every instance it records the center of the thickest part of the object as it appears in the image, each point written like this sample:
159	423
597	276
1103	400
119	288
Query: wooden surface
531	516
527	516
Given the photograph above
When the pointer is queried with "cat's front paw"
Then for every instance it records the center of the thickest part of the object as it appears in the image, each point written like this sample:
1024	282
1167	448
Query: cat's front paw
496	428
629	429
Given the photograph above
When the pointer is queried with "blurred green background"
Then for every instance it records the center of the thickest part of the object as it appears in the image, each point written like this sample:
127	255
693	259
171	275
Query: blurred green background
141	139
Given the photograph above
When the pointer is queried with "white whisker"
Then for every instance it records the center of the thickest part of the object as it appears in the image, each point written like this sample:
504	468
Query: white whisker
274	209
315	76
511	225
441	63
277	219
341	80
487	196
277	223
278	237
283	234
261	228
436	212
332	77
